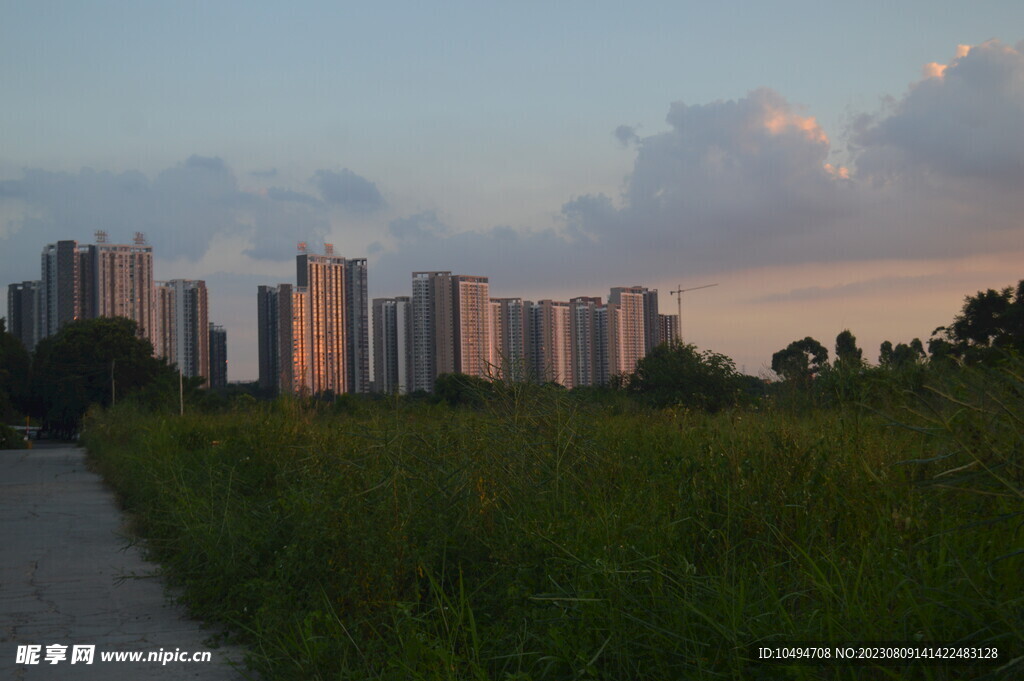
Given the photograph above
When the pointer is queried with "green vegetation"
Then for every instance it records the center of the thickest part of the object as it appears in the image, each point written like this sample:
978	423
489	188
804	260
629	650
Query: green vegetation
680	375
14	376
95	361
655	531
533	537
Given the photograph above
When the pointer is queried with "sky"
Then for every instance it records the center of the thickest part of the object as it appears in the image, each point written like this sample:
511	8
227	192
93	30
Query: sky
828	166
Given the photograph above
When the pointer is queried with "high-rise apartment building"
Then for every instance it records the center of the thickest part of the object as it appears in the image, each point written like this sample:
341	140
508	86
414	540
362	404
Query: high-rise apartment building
626	332
323	277
62	289
164	332
181	325
433	322
471	316
451	326
392	341
285	339
588	323
24	312
97	280
668	329
357	322
551	337
218	356
120	284
508	338
268	319
652	327
314	337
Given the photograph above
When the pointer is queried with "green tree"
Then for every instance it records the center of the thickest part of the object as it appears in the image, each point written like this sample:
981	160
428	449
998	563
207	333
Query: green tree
990	323
681	375
94	361
800	361
462	389
15	365
903	355
848	355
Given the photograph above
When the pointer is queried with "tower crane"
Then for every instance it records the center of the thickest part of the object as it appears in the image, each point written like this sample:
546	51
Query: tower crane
678	292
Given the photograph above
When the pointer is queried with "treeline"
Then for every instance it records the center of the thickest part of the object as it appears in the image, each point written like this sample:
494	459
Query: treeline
89	362
102	360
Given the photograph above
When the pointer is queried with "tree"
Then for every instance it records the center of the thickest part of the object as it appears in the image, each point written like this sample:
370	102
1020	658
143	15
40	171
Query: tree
15	365
456	389
848	355
680	375
902	355
990	323
800	361
94	361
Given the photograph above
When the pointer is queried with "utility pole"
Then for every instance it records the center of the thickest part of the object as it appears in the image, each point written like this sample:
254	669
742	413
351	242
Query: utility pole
678	293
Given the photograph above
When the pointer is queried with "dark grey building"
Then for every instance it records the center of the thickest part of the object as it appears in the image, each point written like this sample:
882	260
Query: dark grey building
24	312
218	356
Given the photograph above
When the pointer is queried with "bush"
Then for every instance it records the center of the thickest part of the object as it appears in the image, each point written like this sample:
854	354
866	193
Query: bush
11	439
680	375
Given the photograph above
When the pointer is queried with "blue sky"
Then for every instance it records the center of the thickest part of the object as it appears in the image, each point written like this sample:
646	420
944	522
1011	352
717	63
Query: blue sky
480	137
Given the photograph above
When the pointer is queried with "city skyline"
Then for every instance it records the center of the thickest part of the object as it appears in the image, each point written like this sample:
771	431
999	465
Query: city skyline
829	167
88	281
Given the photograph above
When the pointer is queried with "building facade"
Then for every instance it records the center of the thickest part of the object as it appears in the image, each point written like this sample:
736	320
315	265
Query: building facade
433	328
508	326
24	312
551	336
119	283
218	356
392	341
314	336
668	329
357	322
97	280
471	316
181	325
285	340
627	337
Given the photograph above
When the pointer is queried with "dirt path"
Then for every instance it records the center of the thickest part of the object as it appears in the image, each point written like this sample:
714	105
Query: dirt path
63	558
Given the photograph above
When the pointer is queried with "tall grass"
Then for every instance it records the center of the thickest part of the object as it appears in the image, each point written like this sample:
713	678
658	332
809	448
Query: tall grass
538	538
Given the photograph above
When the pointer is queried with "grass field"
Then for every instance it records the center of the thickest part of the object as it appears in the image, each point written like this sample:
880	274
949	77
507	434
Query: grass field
541	537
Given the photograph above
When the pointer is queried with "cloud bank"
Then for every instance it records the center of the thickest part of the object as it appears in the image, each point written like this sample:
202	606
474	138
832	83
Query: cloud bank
729	184
180	210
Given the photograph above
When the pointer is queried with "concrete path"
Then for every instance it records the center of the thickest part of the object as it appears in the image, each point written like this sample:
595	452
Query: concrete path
62	556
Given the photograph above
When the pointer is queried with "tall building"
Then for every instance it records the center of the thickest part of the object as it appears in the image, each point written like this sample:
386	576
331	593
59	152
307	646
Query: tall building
61	282
392	340
357	343
24	312
285	339
119	283
471	333
551	336
652	327
323	277
433	322
451	326
668	329
314	337
181	325
97	280
164	332
508	338
268	321
218	356
588	325
627	338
